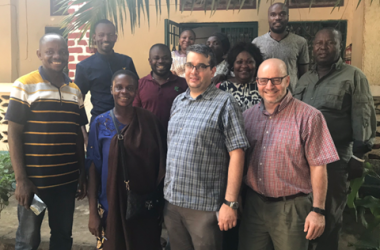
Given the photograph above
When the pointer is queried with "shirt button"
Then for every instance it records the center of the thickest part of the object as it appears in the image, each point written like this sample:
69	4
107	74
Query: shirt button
267	132
261	164
264	147
312	98
270	117
259	179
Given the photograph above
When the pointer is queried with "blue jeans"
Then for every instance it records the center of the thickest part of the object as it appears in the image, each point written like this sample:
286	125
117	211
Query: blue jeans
60	202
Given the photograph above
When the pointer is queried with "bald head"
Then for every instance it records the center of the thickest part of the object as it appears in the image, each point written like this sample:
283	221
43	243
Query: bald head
272	82
278	18
52	37
279	5
161	47
327	46
274	67
53	53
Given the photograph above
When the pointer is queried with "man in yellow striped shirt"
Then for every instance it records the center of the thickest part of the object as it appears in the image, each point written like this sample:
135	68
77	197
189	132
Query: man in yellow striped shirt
44	116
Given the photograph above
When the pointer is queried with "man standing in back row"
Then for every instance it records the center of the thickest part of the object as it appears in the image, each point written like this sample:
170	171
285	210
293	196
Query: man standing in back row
160	87
94	73
341	92
280	43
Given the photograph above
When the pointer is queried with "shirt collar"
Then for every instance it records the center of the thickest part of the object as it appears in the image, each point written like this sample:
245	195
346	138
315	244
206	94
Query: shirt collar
281	39
208	94
285	101
171	77
66	79
106	57
337	65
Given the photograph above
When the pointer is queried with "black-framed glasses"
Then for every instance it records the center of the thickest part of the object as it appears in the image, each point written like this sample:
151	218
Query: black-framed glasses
200	67
274	80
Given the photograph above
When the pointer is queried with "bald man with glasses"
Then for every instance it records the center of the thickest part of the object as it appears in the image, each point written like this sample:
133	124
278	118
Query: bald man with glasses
287	178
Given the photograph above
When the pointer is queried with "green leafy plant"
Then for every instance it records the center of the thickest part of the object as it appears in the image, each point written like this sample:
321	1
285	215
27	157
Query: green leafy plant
360	205
91	11
7	180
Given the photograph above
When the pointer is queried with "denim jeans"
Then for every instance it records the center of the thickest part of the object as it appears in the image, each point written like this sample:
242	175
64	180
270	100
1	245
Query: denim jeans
60	202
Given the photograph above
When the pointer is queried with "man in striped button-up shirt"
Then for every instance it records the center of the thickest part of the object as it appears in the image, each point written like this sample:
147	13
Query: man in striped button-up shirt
291	146
206	144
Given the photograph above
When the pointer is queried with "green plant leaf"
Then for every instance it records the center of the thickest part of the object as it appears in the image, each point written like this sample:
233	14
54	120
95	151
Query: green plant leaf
355	185
361	216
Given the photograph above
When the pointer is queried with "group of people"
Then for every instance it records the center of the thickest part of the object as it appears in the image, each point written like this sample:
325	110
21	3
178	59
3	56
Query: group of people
240	148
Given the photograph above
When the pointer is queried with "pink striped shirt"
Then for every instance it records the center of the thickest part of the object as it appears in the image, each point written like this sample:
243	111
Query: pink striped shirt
283	146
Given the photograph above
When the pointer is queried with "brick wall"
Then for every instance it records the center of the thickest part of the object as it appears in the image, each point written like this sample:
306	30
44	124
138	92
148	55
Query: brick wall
79	50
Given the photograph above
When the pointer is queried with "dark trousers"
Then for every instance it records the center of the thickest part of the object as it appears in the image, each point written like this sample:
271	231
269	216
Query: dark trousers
60	202
335	203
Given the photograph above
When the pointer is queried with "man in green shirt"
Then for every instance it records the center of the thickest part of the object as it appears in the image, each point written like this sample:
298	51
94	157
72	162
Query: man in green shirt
341	92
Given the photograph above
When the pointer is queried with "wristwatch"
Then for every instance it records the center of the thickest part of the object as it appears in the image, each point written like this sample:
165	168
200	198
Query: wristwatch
232	204
319	211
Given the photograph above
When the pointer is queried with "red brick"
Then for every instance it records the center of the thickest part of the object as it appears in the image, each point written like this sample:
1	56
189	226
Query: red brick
71	74
88	34
70	43
71	58
82	42
76	50
70	11
81	58
74	36
72	66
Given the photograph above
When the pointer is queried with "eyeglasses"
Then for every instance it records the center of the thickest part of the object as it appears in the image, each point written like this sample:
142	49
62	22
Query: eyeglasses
274	80
200	67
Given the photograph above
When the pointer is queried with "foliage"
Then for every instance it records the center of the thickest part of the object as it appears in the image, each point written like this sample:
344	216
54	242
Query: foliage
7	180
91	11
370	239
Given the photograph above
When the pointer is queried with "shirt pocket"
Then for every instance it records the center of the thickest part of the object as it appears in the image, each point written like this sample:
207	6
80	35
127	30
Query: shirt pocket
333	96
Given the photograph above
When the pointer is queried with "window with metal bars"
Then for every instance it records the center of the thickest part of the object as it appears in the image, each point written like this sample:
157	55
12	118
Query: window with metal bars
236	31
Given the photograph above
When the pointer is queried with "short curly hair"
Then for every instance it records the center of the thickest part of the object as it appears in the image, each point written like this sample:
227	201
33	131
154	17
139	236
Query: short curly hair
223	39
248	47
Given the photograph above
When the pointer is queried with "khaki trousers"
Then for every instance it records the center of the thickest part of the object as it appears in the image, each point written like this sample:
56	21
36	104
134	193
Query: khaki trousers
279	225
190	229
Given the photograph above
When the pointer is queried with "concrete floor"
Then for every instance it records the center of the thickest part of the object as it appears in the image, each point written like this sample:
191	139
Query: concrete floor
83	240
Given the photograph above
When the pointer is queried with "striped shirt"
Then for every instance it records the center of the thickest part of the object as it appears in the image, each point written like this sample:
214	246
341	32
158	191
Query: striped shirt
51	117
284	146
201	133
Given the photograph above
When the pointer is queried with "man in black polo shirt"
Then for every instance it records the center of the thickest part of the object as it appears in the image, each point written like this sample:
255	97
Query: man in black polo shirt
44	116
94	73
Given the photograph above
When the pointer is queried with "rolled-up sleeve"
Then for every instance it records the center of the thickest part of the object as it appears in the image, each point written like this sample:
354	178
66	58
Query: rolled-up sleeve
363	115
233	126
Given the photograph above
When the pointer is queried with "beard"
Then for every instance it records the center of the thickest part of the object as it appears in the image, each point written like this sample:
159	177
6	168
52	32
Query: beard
279	30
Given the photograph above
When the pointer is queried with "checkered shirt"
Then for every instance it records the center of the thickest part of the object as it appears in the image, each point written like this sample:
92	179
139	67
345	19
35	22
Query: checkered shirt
283	146
201	132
